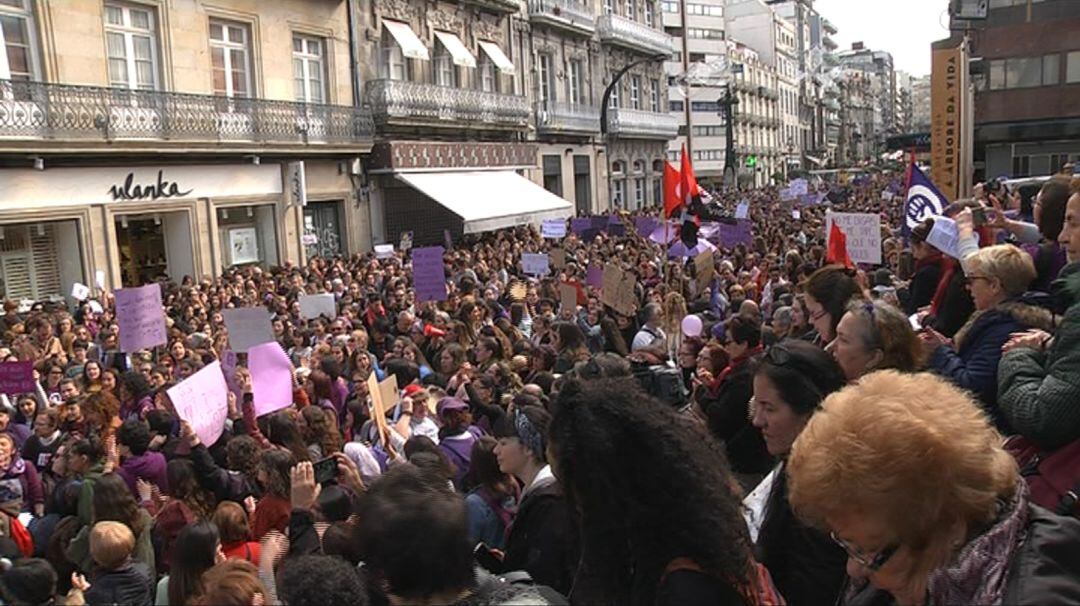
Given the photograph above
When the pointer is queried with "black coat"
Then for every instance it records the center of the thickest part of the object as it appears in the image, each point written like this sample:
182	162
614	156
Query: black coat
923	286
726	408
543	539
130	586
956	307
806	565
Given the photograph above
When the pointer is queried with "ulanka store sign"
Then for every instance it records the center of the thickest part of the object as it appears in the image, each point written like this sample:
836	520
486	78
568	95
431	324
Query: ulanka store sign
163	188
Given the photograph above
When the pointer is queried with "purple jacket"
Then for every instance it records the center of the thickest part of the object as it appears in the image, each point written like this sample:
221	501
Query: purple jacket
460	454
149	466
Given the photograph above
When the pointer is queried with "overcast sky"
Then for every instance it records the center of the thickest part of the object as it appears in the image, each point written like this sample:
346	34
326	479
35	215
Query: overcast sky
904	28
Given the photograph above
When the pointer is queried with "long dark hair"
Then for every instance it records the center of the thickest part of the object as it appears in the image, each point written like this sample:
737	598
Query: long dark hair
193	554
276	464
803	374
113	502
650	487
282	431
184	486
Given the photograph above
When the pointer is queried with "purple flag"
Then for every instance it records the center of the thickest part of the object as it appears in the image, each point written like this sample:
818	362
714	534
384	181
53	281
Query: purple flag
141	318
595	277
645	225
429	273
615	226
664	233
17	377
271	378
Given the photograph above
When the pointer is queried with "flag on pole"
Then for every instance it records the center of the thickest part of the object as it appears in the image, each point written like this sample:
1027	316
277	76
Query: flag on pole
923	200
671	190
688	187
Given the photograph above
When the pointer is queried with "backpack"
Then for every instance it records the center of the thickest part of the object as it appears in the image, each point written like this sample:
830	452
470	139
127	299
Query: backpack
1052	477
662	382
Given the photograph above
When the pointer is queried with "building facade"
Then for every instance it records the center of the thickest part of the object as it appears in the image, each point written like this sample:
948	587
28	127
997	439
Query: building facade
142	138
920	104
1027	87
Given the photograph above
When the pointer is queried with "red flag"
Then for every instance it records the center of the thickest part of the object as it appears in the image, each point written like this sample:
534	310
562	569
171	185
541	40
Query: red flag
671	189
688	187
837	249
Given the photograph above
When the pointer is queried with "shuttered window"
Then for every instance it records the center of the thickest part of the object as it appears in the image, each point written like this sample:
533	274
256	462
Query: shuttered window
29	262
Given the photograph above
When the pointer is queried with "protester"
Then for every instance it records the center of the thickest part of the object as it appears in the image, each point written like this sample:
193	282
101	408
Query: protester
873	335
827	293
949	525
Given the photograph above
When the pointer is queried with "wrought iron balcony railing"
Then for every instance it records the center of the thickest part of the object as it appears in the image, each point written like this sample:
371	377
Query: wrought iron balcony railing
41	110
399	102
638	124
567	118
569	15
631	34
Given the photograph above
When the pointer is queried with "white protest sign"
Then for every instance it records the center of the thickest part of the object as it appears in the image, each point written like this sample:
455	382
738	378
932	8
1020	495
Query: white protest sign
553	228
742	211
535	264
203	401
313	306
863	232
945	236
96	307
99	279
80	291
384	251
796	214
248	327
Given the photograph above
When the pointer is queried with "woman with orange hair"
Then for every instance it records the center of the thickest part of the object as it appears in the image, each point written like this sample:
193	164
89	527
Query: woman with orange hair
910	478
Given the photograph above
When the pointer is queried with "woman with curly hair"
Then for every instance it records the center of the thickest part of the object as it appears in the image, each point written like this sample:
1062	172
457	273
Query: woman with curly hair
320	432
136	396
187	503
660	521
272	510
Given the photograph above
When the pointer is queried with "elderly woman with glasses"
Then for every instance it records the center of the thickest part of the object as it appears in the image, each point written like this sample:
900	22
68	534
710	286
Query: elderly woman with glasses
997	277
873	335
789	385
912	481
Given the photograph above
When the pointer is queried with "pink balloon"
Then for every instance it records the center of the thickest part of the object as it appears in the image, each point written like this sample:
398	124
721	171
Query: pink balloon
691	326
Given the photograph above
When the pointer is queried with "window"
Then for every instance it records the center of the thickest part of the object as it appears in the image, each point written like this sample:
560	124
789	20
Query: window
131	46
19	59
230	59
1025	72
582	184
710	131
618	193
669	7
704	33
546	79
1072	67
1051	69
704	106
639	193
489	81
1021	166
676	106
614	103
631	9
654	96
576	82
445	72
635	92
609	7
309	70
393	64
1057	161
553	174
639	167
649	14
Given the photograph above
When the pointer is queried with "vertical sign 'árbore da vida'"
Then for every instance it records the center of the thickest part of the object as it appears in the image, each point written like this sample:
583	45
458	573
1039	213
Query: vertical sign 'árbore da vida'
161	189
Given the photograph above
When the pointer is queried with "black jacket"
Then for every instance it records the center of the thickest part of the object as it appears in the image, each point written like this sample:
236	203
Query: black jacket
726	408
923	286
1045	569
956	307
543	539
807	567
127	586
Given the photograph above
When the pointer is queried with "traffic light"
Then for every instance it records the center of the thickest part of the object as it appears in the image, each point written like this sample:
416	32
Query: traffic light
751	161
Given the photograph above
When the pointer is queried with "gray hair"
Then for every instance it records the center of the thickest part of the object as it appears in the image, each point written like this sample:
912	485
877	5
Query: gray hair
782	316
653	310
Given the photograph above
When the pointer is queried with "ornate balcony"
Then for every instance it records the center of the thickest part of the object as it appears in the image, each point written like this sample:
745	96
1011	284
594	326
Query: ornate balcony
569	15
638	124
636	36
499	6
566	118
395	102
32	111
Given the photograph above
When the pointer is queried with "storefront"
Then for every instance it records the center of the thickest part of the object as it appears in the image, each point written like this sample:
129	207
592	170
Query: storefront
39	260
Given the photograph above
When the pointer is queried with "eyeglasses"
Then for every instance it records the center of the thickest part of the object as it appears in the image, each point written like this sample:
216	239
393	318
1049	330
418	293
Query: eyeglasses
817	315
873	564
971	279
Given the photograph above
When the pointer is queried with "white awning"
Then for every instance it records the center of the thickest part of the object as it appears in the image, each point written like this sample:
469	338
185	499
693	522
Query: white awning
498	57
488	200
457	50
411	46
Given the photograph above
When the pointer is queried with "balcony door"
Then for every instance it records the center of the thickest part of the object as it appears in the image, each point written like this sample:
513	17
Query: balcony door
132	46
18	48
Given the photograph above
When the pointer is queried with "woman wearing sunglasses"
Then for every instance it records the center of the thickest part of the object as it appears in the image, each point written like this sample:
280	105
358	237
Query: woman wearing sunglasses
911	480
789	385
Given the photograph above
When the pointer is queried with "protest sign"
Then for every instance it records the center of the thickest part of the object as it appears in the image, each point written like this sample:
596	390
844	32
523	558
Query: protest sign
730	235
742	211
595	277
378	404
799	187
99	279
618	290
406	241
664	233
583	228
384	251
203	401
553	228
140	317
645	225
313	306
863	232
945	236
787	194
79	291
17	378
429	273
96	307
704	269
271	378
558	258
567	298
615	226
796	214
248	326
535	264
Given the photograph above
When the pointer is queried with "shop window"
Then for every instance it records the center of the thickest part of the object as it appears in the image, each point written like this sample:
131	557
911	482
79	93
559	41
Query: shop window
40	260
248	235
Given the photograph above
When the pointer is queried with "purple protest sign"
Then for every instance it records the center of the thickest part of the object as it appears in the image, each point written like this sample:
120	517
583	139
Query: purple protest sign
664	233
141	319
17	377
271	378
585	228
615	226
203	401
729	235
645	225
429	273
595	277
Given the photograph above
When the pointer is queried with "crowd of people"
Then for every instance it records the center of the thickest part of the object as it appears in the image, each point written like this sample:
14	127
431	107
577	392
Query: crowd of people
791	429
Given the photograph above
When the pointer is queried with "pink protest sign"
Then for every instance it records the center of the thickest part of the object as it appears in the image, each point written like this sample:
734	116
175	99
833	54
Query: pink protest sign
271	378
141	318
203	401
16	377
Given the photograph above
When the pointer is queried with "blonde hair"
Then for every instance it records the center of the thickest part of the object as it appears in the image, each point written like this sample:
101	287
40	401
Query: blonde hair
910	451
1006	263
111	544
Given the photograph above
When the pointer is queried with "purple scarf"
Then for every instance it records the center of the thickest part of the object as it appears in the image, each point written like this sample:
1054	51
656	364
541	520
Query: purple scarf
979	572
